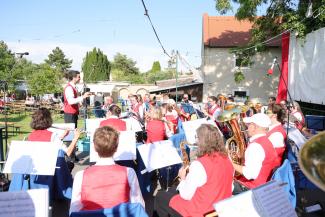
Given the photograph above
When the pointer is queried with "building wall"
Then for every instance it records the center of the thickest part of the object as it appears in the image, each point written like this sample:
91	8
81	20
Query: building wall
218	67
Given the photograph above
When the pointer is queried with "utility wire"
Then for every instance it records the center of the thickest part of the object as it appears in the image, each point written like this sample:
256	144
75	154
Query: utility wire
153	28
288	30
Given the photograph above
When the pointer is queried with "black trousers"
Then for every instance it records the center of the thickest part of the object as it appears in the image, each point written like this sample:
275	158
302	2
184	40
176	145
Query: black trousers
71	118
162	203
238	188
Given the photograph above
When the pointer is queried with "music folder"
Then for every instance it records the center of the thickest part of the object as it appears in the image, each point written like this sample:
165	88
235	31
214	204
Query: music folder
34	158
268	200
159	154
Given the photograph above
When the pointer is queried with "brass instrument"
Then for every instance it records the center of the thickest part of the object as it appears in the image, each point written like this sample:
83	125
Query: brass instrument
235	145
185	160
312	160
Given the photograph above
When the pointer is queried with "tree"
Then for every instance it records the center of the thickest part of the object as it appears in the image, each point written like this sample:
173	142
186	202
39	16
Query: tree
125	64
280	16
156	67
7	62
44	80
96	66
57	60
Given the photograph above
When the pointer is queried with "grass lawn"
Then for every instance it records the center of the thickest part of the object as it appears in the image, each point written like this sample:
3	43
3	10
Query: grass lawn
23	121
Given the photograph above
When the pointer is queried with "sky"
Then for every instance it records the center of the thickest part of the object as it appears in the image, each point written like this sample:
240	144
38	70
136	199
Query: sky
77	26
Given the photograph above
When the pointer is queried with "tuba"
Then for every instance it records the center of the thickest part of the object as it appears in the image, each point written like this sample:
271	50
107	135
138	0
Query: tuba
236	144
312	160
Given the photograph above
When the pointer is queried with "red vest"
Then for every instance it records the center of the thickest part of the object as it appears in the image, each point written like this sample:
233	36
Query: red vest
40	136
268	164
212	110
104	187
174	120
156	131
70	109
279	150
114	122
219	172
136	107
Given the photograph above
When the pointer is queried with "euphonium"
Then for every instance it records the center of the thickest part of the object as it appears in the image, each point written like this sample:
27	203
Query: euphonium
312	160
236	144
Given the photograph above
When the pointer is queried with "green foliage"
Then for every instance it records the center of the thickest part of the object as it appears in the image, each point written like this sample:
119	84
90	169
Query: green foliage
96	66
152	77
125	65
7	62
57	60
280	16
239	76
223	6
44	80
156	67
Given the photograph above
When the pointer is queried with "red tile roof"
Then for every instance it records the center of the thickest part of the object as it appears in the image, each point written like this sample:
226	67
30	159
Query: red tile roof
226	31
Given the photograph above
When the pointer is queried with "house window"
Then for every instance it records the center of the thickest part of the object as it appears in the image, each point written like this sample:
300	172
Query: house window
241	61
241	93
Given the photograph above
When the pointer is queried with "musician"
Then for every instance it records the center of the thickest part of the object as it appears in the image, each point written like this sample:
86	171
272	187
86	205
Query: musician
186	99
157	129
41	122
171	115
71	99
208	181
260	156
108	101
105	184
60	184
113	120
271	102
276	133
214	109
299	117
137	108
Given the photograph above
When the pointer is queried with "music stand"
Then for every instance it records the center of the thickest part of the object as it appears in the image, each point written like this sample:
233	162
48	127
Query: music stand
24	158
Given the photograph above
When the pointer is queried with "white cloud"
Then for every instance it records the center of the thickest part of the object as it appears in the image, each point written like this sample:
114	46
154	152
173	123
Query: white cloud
38	51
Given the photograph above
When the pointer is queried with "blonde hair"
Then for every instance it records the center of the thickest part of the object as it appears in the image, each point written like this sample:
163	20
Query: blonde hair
155	113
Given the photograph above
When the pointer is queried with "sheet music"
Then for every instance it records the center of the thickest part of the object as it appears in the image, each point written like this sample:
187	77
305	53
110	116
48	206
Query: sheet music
190	128
273	200
60	129
126	149
36	158
239	205
31	203
159	154
133	124
92	125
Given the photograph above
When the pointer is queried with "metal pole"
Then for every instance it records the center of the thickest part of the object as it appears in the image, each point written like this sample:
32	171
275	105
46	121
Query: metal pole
176	89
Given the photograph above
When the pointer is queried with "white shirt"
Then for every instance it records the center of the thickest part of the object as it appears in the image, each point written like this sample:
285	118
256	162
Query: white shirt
135	192
70	95
276	138
196	178
254	157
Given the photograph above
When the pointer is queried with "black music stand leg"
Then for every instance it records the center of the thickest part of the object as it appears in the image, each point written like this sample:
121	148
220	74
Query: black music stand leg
27	177
167	183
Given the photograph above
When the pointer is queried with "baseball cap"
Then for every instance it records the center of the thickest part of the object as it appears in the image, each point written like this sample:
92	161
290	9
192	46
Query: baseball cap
259	119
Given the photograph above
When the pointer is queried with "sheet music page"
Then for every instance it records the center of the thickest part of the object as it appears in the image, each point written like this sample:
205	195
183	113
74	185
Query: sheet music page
92	125
36	158
190	128
60	129
239	205
31	203
273	200
132	124
159	154
126	149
